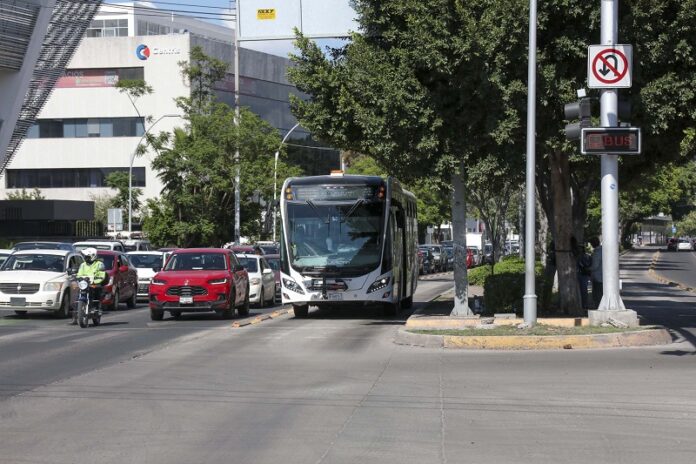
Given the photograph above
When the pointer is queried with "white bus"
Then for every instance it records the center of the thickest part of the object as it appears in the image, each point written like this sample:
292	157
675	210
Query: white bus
348	240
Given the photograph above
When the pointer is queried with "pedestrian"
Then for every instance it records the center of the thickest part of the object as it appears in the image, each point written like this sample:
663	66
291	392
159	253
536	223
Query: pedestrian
596	273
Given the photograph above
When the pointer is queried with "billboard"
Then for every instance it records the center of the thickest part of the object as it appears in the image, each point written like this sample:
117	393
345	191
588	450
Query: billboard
275	19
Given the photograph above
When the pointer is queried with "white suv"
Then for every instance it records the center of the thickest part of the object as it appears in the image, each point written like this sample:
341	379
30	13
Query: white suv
261	279
38	279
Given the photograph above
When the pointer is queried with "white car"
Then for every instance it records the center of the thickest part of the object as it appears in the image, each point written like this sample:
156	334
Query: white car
107	245
4	254
148	263
684	244
38	279
261	279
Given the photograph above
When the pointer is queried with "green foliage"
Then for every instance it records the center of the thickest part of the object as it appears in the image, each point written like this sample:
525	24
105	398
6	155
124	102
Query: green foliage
504	288
197	167
118	180
102	203
478	275
687	226
24	195
134	88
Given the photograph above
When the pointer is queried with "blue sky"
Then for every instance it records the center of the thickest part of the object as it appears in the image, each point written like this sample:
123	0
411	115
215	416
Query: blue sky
215	10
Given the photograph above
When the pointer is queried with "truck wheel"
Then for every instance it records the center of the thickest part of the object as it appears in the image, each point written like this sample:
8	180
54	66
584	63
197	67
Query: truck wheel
301	311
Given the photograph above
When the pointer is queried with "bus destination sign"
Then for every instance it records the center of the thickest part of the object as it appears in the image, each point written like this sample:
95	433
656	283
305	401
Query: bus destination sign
610	141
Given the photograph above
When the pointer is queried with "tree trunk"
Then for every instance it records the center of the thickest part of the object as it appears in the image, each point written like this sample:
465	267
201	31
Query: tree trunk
566	261
461	283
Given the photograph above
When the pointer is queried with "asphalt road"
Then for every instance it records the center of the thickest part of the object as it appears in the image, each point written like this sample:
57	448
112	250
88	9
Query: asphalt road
333	388
678	266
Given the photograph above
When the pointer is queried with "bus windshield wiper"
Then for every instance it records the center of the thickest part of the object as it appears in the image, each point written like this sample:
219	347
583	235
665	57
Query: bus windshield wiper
316	211
352	209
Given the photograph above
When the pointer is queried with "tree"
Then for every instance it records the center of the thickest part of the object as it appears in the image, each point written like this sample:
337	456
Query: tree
24	195
196	165
119	181
687	226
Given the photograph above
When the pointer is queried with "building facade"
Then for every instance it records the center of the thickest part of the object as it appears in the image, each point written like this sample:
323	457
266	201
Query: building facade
88	129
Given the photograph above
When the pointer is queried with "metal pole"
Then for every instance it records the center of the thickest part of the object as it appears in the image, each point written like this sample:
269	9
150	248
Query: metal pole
237	189
611	299
130	169
530	298
275	178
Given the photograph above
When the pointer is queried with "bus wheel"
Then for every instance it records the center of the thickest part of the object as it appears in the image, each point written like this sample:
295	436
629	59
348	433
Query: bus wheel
390	309
301	311
406	303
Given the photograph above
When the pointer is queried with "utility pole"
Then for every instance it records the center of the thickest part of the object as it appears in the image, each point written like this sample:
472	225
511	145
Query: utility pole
530	298
611	305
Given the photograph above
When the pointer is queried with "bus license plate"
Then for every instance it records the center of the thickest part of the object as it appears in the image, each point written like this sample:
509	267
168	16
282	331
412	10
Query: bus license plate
185	300
335	296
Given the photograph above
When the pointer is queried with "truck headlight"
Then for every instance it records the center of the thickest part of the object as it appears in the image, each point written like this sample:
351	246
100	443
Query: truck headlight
292	285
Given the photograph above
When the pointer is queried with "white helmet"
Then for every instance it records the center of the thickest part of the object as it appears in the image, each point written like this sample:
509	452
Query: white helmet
90	253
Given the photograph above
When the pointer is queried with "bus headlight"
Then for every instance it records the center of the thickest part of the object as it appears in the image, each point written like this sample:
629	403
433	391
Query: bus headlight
379	284
292	285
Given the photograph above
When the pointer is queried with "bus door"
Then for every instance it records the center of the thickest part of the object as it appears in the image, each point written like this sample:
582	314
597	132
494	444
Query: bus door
396	230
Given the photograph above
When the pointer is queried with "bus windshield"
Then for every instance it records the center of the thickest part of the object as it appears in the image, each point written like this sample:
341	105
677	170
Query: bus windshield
336	238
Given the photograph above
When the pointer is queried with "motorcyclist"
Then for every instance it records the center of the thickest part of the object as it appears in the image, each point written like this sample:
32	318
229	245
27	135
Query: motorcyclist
94	270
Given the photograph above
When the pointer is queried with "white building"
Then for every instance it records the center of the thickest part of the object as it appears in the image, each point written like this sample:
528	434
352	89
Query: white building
88	129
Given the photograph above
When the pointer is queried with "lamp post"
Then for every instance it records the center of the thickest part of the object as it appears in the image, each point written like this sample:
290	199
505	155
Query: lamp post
275	178
130	170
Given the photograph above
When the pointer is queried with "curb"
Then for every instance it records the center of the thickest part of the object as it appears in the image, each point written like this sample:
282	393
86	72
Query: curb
648	337
263	317
663	280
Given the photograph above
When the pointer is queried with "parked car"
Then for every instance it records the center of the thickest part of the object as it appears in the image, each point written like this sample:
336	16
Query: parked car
261	279
672	244
4	254
440	261
43	246
111	245
38	279
429	265
147	264
137	245
488	253
476	253
123	280
685	244
274	262
449	251
200	280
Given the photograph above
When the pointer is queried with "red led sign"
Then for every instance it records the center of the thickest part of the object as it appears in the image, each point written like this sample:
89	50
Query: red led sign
610	141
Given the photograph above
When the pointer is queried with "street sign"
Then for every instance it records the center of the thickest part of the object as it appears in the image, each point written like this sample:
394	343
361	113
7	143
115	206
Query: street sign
609	66
610	141
114	219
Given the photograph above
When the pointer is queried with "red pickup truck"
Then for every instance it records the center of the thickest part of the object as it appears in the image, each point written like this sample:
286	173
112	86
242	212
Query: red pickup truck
200	280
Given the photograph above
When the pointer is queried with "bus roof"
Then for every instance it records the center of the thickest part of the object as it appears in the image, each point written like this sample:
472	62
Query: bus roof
346	179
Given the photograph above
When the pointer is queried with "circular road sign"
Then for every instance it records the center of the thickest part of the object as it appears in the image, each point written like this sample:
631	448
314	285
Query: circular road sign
610	66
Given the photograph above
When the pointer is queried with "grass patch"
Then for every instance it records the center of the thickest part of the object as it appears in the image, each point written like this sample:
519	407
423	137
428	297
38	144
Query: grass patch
539	329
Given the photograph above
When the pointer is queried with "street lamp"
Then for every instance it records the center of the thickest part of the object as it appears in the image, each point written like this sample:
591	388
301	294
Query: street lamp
275	178
130	169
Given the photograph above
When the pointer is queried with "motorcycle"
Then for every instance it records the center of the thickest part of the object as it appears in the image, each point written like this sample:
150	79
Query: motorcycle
86	307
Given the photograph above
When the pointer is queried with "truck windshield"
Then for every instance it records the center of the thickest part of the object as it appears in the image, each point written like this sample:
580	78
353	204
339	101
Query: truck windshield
335	238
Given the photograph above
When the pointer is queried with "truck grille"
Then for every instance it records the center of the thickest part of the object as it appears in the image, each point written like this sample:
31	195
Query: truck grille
19	288
186	291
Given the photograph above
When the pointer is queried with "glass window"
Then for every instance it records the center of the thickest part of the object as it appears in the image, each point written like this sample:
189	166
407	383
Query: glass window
196	262
122	32
106	127
250	264
146	261
67	178
110	22
93	127
122	23
33	131
50	128
80	127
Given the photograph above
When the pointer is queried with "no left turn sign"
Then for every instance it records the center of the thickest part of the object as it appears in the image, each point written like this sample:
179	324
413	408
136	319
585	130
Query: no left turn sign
609	66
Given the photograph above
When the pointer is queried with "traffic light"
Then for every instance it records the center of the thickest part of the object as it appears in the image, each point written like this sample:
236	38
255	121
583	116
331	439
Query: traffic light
580	110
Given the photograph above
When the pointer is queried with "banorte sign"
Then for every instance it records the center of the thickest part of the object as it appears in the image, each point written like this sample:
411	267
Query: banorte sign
143	52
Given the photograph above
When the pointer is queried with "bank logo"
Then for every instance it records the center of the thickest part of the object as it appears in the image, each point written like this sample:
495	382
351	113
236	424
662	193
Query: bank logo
142	52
